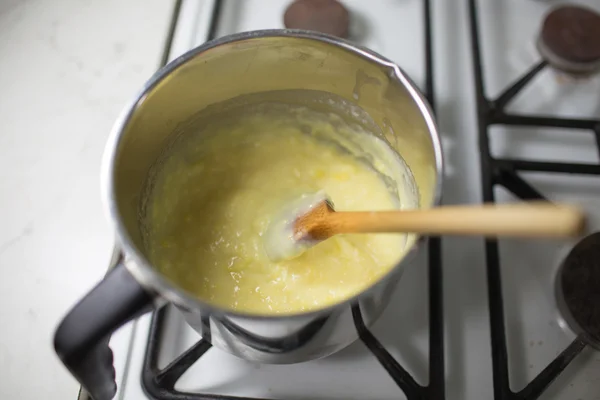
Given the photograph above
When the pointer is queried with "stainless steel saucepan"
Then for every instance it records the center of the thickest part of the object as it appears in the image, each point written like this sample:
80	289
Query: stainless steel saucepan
242	64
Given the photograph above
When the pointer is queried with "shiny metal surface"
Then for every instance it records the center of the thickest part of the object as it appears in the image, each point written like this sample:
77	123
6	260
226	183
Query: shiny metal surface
249	63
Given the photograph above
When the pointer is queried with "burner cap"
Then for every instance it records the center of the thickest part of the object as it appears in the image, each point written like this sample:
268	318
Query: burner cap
325	16
570	39
579	287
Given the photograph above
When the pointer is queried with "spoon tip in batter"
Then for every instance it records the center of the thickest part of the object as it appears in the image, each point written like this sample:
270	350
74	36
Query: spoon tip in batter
282	241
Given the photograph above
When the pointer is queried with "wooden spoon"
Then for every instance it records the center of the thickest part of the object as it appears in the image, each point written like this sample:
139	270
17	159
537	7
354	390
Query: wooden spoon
535	219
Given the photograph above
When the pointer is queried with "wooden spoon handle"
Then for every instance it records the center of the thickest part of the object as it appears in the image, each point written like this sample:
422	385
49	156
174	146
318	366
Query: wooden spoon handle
519	220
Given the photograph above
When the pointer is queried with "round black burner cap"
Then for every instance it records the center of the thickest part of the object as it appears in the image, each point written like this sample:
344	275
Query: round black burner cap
570	39
579	287
325	16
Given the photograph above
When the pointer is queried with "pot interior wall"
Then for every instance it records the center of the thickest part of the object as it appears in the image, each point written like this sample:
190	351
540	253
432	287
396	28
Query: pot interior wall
254	65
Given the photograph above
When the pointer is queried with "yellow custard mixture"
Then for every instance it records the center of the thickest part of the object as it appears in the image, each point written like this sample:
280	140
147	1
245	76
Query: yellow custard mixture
217	188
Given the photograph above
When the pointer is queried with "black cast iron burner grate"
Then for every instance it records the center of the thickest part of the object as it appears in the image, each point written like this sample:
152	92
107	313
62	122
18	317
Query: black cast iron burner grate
159	384
504	172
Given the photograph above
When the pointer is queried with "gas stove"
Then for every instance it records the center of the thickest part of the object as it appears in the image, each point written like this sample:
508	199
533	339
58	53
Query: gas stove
471	319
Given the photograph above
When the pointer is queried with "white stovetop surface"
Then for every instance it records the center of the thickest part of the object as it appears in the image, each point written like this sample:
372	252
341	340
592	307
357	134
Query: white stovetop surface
66	70
394	28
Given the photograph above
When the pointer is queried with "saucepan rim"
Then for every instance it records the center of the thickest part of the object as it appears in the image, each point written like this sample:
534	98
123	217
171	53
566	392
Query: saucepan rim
136	262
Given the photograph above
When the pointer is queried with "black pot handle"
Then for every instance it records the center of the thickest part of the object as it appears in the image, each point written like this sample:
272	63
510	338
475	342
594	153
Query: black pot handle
81	340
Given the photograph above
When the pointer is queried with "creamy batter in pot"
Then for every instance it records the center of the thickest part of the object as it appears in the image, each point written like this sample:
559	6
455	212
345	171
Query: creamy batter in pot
222	181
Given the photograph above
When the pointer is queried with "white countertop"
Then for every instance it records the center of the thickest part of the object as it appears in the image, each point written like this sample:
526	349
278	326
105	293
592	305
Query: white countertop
67	68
